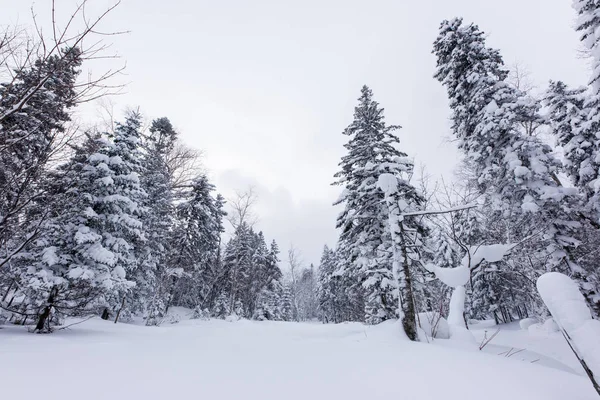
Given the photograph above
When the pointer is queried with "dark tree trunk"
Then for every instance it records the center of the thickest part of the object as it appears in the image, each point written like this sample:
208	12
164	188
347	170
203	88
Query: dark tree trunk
43	317
120	309
105	314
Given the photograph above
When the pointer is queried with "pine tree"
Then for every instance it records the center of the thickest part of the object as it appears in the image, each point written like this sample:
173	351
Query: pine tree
287	308
56	272
85	252
195	245
328	296
221	308
306	294
365	240
30	131
158	220
237	265
588	24
122	209
567	116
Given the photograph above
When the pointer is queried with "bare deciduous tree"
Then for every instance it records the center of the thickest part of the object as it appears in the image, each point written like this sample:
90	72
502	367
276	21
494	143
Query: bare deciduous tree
295	262
242	208
520	77
184	164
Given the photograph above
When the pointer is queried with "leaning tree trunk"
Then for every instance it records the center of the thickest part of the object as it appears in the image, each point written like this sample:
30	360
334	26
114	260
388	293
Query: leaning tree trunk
120	309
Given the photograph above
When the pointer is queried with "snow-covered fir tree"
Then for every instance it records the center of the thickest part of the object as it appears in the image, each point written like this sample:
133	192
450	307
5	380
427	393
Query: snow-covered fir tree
194	246
158	221
328	288
588	26
122	209
250	275
306	294
70	267
85	255
34	111
567	115
365	241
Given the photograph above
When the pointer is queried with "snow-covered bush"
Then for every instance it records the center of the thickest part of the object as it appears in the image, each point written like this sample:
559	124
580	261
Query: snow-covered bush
232	318
126	316
200	313
434	325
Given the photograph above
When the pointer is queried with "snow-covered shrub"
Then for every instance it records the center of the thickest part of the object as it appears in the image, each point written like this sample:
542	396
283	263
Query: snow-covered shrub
172	318
200	313
434	325
232	318
126	316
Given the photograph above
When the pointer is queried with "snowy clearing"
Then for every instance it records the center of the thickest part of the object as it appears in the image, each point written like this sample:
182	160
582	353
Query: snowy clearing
265	360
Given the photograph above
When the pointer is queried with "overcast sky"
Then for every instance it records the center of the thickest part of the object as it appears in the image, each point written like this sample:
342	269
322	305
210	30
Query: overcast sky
265	88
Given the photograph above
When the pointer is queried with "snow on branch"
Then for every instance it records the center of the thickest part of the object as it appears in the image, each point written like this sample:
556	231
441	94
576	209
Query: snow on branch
435	212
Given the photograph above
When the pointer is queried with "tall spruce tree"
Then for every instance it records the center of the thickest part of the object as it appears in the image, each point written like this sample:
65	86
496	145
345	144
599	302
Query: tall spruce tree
195	246
158	220
365	238
121	207
71	267
328	296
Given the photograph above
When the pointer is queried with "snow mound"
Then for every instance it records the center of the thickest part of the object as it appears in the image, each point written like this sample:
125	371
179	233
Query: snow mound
525	323
563	299
551	326
568	307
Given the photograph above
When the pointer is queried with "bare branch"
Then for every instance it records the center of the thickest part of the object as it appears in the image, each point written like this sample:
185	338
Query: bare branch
242	205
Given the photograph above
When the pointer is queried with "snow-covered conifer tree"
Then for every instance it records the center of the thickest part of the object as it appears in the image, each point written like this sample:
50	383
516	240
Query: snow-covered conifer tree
195	245
365	240
34	117
122	209
567	115
158	220
328	296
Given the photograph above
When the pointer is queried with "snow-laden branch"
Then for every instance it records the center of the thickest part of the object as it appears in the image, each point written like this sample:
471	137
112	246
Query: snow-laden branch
435	212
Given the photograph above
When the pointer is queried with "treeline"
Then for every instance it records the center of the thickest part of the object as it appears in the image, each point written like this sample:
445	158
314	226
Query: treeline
115	221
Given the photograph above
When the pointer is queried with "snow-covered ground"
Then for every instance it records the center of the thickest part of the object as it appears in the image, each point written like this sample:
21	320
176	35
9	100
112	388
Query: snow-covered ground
276	360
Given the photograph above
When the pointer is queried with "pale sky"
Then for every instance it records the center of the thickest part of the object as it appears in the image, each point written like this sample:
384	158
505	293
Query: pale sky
265	88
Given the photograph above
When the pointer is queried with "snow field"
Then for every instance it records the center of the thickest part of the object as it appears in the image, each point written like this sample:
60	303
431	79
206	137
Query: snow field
263	360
